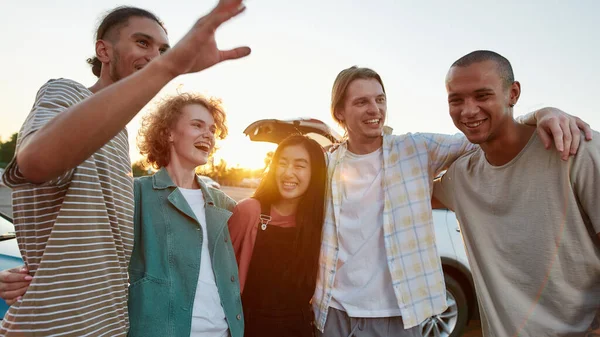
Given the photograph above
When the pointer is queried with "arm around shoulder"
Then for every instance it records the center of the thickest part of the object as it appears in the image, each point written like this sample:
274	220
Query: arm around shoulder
443	149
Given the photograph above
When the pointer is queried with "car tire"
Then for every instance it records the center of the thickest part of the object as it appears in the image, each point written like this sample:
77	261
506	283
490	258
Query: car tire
453	321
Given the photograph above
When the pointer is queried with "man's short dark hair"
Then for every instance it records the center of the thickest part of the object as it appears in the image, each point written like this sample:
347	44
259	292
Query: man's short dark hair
504	68
115	19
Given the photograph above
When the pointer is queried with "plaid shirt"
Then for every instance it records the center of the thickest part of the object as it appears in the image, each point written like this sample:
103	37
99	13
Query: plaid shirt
410	163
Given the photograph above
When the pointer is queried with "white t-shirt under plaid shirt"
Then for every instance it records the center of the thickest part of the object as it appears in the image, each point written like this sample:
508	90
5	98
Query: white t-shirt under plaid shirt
410	163
363	288
75	234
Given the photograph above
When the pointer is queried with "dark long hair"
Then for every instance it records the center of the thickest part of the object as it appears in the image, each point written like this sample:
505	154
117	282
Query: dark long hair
311	208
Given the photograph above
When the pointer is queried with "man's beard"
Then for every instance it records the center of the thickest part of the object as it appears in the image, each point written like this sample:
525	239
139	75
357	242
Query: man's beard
114	71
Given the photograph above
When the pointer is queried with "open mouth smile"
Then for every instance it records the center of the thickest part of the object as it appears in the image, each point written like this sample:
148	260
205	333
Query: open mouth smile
202	147
289	185
374	121
473	125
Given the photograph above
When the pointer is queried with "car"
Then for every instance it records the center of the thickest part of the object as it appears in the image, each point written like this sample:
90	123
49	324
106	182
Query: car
250	182
460	290
275	130
10	256
1	173
209	182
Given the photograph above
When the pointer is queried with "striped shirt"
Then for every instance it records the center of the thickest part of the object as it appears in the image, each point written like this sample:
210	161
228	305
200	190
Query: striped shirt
75	234
410	163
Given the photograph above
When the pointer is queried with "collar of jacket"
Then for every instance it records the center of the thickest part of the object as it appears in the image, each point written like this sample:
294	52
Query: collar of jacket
161	180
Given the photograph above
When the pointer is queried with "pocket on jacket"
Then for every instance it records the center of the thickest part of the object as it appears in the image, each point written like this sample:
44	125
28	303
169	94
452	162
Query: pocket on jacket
136	277
148	307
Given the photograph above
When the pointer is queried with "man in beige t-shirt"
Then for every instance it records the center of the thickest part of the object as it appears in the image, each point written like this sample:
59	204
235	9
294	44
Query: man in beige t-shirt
530	221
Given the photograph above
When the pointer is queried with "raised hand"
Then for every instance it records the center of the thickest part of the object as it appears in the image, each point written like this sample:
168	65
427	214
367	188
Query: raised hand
198	49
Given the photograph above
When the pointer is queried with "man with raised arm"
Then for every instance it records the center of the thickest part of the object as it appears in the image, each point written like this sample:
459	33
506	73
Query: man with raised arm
71	176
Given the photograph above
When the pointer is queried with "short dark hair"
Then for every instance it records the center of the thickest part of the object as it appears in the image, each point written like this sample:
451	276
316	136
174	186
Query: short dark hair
115	19
504	68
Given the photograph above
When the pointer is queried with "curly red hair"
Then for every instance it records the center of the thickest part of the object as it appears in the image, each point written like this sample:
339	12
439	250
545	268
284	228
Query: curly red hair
154	133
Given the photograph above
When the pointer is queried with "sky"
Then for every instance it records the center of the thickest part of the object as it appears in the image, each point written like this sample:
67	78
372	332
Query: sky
298	48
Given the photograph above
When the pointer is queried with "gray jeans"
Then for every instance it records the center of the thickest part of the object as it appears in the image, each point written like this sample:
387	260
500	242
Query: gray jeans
339	324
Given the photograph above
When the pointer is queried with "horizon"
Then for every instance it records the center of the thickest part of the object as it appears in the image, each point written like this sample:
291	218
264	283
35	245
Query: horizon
292	66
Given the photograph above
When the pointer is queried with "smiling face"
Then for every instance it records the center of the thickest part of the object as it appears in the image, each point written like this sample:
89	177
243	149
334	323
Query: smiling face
133	46
479	100
293	172
364	110
192	138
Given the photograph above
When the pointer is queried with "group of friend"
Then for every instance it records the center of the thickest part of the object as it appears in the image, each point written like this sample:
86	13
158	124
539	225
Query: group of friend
332	243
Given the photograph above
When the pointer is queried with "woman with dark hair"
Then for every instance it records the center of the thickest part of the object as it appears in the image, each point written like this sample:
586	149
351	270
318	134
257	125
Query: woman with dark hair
276	236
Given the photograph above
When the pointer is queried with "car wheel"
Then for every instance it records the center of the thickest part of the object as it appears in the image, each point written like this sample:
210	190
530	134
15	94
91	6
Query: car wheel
452	322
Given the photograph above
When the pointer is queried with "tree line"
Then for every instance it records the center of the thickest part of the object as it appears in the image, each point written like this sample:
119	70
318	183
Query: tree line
7	150
219	171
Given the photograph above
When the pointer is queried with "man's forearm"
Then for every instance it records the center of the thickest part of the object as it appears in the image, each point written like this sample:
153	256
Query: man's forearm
74	135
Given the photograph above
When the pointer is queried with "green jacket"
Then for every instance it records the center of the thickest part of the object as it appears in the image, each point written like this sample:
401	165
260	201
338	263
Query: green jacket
165	262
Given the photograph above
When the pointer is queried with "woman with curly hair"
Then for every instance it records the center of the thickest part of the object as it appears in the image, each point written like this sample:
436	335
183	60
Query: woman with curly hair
183	273
276	235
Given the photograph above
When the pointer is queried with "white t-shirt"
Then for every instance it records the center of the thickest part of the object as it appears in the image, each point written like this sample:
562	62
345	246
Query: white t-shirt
208	317
363	284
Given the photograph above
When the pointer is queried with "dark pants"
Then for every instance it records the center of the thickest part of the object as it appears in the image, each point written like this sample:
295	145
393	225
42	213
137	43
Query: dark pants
339	324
